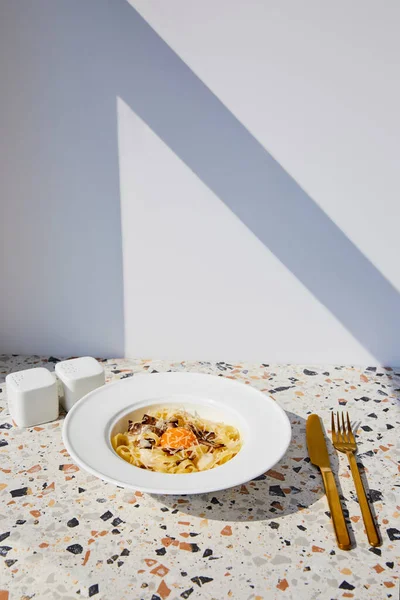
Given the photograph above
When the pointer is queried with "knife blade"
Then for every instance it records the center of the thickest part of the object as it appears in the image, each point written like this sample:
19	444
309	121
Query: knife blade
316	443
318	452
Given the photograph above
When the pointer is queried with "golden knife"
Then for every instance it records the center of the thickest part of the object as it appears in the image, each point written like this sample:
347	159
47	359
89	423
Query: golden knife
319	456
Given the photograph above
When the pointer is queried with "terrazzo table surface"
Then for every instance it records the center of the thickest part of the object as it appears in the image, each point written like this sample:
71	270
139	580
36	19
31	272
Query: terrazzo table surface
65	534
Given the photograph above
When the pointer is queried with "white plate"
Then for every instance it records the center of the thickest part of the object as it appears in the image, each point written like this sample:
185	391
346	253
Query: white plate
263	425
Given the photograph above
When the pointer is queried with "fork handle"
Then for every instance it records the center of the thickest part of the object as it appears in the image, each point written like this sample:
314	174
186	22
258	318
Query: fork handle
335	507
372	531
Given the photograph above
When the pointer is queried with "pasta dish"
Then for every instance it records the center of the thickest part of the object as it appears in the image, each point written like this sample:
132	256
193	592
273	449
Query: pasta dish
171	440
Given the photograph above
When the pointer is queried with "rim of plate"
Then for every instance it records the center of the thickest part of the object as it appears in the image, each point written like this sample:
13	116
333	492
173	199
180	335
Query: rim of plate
263	424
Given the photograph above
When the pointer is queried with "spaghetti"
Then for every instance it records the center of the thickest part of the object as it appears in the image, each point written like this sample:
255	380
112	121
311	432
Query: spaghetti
173	441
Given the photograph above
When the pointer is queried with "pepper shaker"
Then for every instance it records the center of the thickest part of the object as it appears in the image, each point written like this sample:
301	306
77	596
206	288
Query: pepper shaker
79	376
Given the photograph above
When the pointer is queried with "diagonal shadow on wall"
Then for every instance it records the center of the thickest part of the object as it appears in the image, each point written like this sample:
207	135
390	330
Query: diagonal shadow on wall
190	119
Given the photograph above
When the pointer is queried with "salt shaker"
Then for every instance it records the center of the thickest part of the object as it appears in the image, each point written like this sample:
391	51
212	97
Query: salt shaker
79	376
32	397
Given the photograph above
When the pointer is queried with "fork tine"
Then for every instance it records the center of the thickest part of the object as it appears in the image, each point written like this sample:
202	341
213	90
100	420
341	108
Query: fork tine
334	437
345	438
350	431
338	428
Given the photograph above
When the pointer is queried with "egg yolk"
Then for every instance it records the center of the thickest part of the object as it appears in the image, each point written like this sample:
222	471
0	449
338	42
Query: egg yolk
177	438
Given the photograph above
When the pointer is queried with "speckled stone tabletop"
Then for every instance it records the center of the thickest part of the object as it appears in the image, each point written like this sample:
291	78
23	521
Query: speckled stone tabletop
65	534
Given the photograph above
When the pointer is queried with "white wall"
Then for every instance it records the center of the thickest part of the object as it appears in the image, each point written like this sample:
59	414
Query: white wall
60	227
225	256
198	283
317	84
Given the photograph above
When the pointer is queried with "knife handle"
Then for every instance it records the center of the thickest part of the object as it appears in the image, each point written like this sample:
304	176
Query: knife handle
335	507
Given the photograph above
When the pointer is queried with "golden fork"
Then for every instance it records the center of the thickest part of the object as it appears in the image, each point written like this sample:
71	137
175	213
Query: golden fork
344	441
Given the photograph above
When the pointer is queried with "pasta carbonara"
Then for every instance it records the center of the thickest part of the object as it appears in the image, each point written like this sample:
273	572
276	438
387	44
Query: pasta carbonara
173	441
